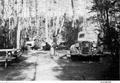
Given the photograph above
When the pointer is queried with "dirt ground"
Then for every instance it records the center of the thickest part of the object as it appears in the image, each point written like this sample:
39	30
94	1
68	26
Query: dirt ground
38	65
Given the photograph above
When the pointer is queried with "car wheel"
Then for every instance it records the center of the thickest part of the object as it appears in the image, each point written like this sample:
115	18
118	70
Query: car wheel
74	57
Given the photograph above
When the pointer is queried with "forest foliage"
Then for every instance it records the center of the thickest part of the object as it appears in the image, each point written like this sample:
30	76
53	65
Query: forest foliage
44	27
108	17
24	15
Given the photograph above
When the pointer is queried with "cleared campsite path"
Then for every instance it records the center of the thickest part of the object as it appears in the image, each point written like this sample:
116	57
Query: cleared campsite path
38	65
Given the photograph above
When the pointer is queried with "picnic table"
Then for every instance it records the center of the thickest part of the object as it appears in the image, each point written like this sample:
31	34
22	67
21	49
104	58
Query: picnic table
8	55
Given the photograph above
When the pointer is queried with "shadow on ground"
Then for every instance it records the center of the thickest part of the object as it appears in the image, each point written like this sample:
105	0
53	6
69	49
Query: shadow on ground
112	72
86	70
18	69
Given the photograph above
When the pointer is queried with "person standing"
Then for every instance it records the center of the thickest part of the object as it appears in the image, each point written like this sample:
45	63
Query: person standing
54	45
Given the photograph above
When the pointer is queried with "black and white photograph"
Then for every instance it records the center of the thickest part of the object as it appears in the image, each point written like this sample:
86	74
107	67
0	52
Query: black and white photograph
59	40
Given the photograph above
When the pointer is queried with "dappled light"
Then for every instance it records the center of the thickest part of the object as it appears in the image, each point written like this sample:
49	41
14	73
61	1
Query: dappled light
59	40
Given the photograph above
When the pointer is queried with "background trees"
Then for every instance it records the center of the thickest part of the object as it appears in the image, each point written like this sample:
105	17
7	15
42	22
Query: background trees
41	19
109	21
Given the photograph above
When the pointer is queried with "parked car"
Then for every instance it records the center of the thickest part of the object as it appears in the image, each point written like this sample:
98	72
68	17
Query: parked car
84	46
30	44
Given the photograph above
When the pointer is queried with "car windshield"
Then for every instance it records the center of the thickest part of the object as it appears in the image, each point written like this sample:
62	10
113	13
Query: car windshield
81	35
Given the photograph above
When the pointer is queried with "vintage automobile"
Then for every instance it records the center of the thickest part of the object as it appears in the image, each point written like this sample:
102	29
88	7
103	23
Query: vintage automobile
30	44
85	46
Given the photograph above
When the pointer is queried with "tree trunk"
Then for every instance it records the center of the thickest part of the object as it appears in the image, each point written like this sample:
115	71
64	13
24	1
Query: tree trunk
3	4
18	34
37	20
46	28
73	9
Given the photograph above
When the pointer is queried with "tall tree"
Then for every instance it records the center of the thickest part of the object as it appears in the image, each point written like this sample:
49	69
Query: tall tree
73	9
106	13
